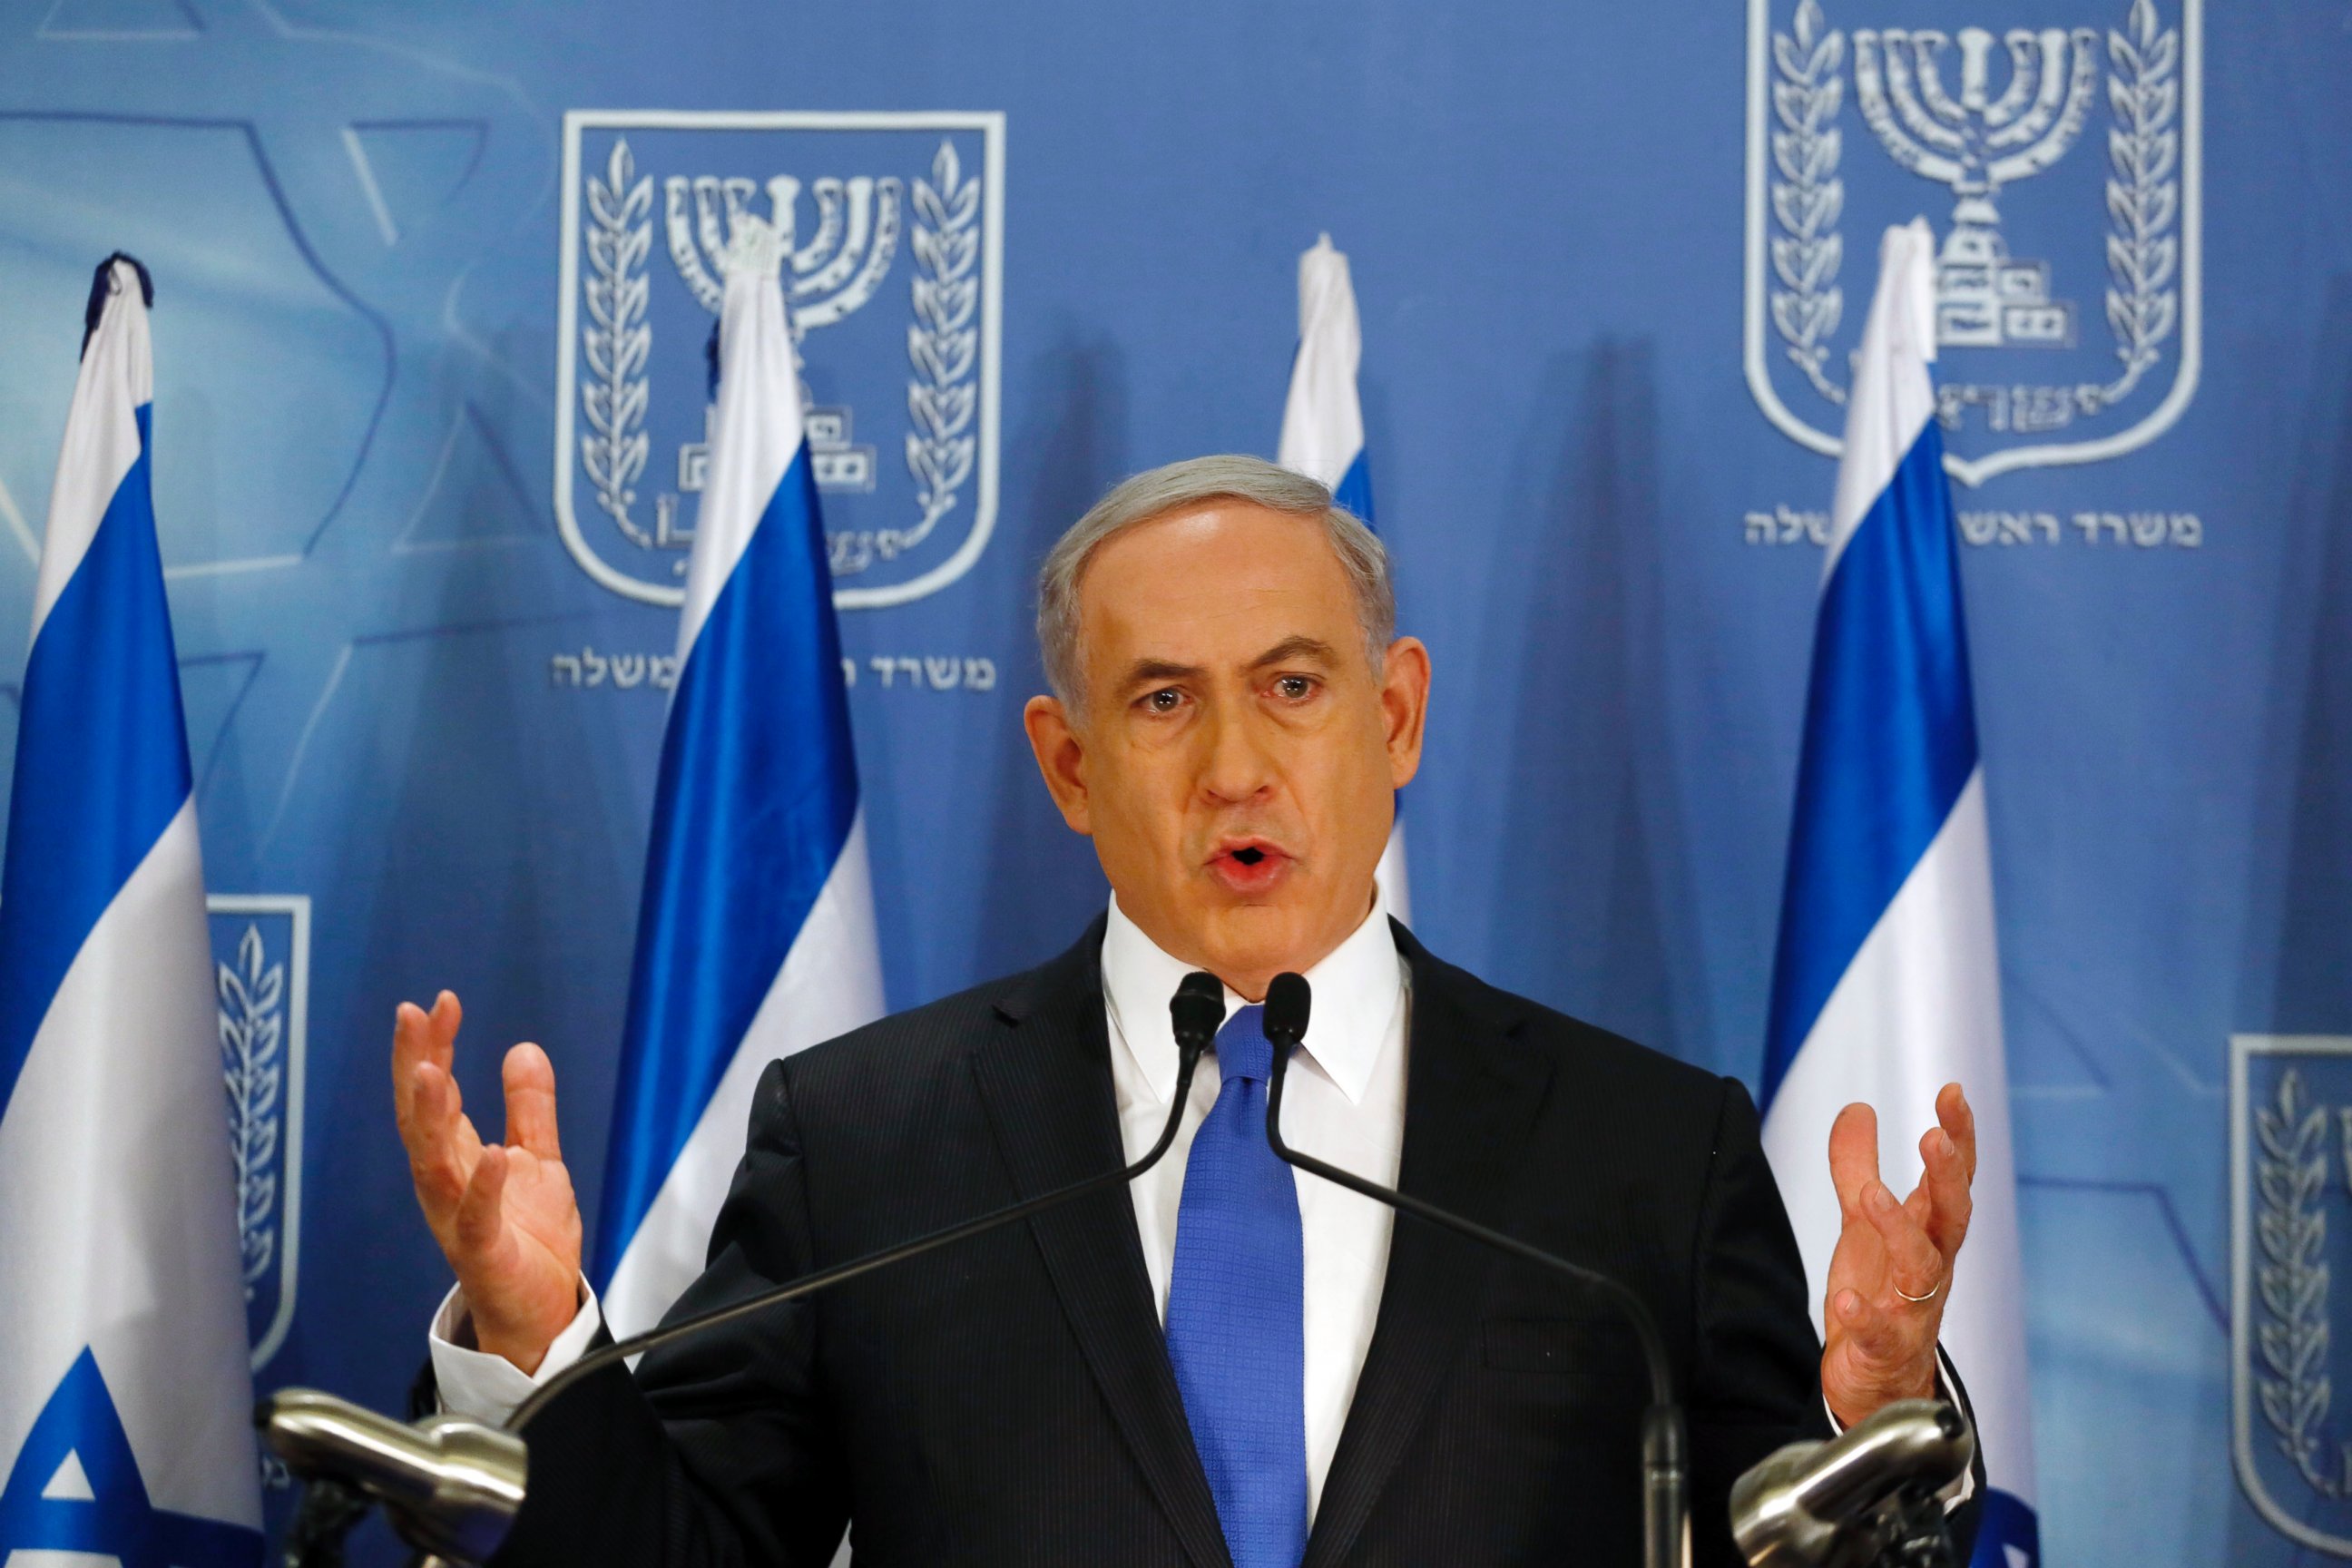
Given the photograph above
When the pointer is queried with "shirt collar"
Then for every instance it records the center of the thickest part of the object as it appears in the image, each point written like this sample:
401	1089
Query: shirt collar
1357	986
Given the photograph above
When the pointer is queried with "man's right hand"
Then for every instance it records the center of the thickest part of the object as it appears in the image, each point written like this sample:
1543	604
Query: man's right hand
504	1214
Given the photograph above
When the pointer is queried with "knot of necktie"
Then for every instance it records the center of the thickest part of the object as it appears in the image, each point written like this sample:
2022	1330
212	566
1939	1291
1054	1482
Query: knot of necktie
1242	1050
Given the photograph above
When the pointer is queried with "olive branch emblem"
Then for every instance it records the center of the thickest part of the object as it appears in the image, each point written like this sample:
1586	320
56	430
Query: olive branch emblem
617	340
252	995
942	344
2143	198
942	348
1807	196
2292	1169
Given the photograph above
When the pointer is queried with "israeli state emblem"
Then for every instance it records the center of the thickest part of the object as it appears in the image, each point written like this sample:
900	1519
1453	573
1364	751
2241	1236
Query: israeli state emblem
2059	165
2290	1235
887	234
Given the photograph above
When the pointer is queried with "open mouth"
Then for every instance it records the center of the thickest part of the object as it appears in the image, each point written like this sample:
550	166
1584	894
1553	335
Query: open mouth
1249	868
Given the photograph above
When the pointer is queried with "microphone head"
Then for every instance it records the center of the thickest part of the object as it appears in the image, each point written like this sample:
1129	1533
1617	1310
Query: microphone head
1197	1008
1288	1000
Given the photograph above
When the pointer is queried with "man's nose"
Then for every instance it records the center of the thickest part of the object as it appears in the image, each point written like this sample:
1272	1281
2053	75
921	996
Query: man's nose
1238	767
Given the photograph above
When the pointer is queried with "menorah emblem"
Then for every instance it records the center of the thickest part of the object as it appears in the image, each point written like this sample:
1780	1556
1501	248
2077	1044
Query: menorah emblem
1978	143
830	277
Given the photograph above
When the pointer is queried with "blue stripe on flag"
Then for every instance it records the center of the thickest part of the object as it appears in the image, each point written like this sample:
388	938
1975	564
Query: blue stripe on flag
1890	740
757	791
101	759
1354	490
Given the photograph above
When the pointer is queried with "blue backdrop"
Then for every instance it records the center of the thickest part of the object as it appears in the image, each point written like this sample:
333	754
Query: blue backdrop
428	352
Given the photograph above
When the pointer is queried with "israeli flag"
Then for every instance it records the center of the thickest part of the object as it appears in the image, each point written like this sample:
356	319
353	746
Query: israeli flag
1887	985
125	1392
755	933
1323	437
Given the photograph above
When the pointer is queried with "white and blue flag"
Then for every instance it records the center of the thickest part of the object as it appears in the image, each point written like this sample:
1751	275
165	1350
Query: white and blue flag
125	1389
755	932
1323	437
1887	985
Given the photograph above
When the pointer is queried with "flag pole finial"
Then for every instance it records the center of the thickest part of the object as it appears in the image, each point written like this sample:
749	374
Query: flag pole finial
101	285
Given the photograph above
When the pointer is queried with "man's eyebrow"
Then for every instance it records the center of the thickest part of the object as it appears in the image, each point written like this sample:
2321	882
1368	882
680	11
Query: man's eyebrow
1295	648
1152	671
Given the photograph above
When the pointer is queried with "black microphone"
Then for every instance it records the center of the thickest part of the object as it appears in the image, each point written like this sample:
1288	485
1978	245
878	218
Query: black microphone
1666	1458
1852	1499
431	1476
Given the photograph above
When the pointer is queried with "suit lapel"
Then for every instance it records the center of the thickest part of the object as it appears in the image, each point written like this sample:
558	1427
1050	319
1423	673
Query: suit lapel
1470	1100
1045	1080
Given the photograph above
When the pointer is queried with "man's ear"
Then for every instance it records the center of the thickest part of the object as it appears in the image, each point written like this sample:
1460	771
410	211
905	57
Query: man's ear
1061	757
1404	707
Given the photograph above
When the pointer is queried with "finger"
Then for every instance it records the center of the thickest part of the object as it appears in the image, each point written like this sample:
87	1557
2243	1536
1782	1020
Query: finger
530	1101
1853	1155
442	1148
1943	1184
1958	1118
408	1048
419	1035
447	1014
1914	1266
479	1220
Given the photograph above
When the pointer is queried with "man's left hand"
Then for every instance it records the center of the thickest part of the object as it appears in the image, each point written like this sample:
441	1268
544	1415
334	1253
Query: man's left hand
1892	1272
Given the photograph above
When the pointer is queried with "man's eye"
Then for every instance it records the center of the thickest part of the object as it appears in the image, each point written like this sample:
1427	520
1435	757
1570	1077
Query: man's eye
1297	687
1163	701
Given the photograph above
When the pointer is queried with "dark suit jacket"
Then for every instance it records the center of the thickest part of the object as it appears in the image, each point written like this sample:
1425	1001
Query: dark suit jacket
1008	1400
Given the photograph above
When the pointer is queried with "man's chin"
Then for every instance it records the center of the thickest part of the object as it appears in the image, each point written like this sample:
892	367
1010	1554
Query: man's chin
1257	941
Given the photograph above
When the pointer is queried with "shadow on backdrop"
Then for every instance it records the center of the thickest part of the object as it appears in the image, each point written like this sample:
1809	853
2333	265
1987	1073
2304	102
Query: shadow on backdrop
2299	974
1043	883
1588	894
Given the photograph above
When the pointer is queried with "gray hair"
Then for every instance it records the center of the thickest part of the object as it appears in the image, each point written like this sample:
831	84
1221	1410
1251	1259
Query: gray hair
1155	494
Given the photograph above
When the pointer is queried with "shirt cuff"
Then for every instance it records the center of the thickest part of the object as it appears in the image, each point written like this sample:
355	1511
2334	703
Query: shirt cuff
485	1387
1956	1493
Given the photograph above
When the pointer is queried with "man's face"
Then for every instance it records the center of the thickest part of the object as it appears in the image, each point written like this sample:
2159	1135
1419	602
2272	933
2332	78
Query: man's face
1238	756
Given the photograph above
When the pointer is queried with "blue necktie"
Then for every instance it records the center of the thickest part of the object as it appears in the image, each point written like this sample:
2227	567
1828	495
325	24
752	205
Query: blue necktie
1237	1312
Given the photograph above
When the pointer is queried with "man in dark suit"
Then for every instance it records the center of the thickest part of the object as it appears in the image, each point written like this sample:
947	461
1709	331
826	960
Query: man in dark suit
1231	1363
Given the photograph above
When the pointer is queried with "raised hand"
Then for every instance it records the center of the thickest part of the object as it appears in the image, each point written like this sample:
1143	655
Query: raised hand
504	1214
1892	1272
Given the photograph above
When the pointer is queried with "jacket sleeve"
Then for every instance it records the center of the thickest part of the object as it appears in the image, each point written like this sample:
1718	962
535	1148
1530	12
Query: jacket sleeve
721	1452
1755	1378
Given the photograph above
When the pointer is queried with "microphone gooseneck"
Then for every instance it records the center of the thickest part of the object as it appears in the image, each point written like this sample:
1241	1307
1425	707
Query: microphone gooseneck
1196	1009
1665	1461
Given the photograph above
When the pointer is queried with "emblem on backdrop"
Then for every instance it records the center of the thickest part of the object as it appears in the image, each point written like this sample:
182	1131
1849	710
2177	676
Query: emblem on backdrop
888	232
261	988
2290	1241
2059	165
